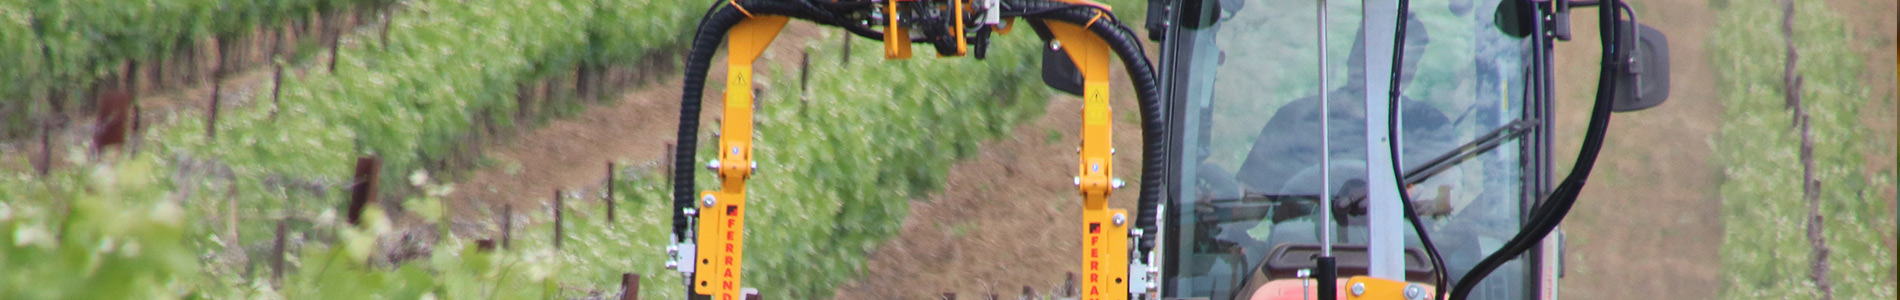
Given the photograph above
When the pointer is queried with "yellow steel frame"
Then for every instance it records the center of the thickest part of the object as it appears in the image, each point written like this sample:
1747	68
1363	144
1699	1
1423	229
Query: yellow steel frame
1380	289
721	229
1105	235
721	226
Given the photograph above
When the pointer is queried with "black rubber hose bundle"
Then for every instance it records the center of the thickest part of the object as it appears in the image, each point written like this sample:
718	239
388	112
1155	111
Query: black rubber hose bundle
1545	217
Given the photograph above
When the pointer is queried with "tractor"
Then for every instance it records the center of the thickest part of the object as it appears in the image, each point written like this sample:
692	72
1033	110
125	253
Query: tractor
1419	166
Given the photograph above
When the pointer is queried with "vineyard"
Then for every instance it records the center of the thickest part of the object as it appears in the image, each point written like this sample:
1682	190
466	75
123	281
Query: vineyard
248	202
1766	251
66	52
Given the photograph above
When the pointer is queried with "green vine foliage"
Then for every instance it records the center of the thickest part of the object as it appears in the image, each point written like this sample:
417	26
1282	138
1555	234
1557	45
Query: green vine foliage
1765	251
93	233
64	46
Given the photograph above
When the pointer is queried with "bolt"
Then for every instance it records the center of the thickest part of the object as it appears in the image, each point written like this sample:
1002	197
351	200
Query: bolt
1055	45
1095	167
1303	273
691	212
672	250
670	265
708	200
1120	219
1111	151
735	150
1358	289
1078	181
712	165
1413	292
1135	232
755	166
1117	183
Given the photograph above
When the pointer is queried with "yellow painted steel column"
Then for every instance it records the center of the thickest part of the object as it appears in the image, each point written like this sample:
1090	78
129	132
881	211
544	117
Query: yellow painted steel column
721	229
1105	236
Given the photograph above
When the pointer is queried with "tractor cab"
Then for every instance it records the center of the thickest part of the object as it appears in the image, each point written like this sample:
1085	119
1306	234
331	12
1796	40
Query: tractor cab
1249	174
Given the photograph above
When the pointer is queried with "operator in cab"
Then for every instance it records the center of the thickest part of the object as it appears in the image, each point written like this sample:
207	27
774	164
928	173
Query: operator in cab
1254	140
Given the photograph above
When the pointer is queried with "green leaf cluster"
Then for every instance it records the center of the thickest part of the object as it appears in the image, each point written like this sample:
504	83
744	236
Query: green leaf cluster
95	233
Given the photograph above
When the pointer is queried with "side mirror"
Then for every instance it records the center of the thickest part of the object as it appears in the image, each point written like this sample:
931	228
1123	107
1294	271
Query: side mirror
1646	83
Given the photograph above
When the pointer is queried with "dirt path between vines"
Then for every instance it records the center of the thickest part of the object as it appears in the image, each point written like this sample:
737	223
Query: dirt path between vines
1007	218
572	153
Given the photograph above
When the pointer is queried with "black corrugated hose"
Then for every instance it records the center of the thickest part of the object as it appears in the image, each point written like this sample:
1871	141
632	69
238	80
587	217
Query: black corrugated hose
1545	217
1398	171
712	31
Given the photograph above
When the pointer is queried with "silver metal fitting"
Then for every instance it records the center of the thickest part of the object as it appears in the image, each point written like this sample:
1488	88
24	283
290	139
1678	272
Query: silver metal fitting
1120	219
672	250
712	165
670	265
1413	292
1078	181
708	200
755	166
1055	45
1116	183
691	212
1303	273
1358	289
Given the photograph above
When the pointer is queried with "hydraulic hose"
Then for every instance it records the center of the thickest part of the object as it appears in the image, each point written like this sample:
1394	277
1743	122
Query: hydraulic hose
1392	131
1545	217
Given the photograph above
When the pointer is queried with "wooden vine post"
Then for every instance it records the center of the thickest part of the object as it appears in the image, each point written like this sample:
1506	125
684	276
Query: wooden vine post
277	75
46	148
335	30
112	117
363	187
217	87
557	219
277	257
507	225
610	193
629	286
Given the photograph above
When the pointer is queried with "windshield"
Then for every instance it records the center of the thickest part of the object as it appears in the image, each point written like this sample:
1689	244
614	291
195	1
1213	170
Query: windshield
1248	73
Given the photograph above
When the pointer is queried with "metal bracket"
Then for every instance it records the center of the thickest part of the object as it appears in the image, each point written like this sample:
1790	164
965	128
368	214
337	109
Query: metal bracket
1141	277
680	256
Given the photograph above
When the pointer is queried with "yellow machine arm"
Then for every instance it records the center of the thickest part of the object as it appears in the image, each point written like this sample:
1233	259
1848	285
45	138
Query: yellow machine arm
722	212
712	253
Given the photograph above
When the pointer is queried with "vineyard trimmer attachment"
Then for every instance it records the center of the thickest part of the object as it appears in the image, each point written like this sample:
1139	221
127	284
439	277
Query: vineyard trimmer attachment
708	226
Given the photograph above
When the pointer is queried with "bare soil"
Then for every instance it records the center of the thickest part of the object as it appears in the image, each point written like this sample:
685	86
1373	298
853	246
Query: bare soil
1008	218
1649	223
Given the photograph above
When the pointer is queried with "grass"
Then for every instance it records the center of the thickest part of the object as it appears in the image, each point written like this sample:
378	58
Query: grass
1765	250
